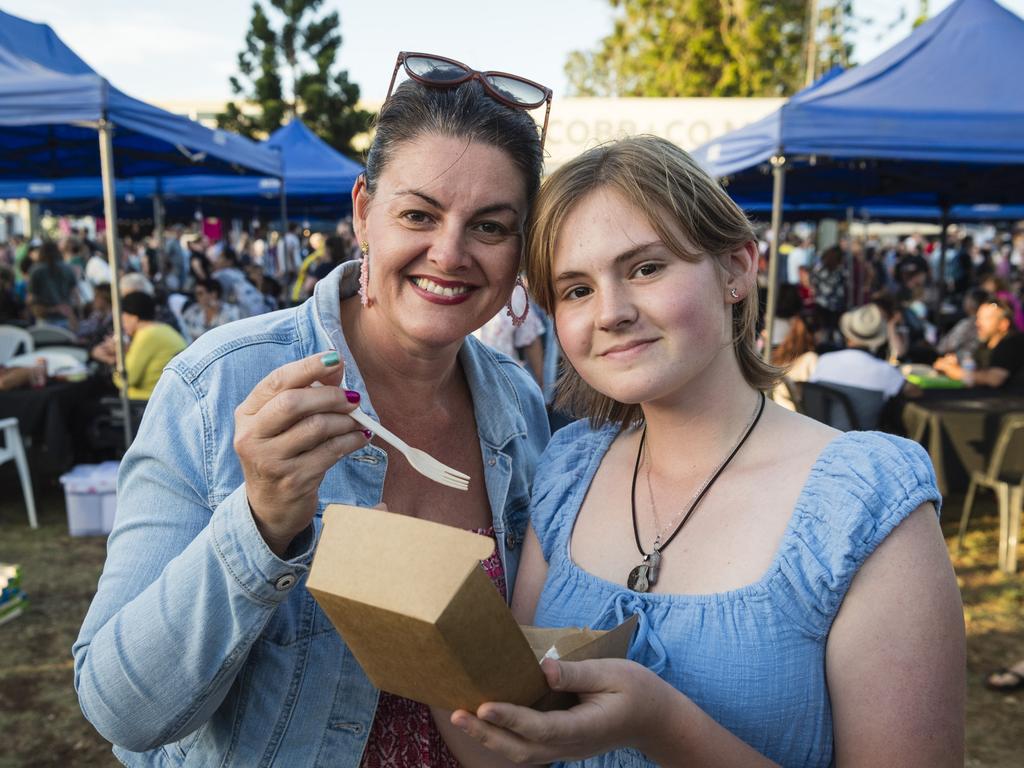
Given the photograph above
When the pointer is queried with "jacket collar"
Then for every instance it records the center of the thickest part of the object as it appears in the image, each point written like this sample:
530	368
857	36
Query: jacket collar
496	403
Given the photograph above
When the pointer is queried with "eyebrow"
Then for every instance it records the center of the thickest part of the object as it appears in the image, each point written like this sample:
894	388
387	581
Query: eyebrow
622	257
495	208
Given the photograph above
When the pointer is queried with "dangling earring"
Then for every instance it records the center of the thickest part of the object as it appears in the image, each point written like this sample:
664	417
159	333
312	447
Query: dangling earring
364	273
518	309
734	293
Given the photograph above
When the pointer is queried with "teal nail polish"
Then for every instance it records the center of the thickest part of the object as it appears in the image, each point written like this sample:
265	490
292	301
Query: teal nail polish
330	359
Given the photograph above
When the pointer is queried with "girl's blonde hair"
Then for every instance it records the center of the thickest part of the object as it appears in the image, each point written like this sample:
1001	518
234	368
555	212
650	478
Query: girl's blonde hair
692	216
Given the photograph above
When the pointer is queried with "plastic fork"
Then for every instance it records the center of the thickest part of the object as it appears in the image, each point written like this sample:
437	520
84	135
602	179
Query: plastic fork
421	461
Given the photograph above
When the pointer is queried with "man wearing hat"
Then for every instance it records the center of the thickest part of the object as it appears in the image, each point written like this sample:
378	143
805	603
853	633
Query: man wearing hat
864	329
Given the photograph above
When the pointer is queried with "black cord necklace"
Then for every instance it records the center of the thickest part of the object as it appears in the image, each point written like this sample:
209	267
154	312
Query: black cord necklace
645	575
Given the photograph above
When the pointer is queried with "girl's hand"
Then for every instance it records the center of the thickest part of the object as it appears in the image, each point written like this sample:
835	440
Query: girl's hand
621	704
288	433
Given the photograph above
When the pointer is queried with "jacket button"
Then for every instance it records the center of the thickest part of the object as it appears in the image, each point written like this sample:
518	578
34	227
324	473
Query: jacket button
491	462
511	541
284	582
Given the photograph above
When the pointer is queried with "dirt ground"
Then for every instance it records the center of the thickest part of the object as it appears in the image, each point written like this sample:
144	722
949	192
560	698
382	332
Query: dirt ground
41	724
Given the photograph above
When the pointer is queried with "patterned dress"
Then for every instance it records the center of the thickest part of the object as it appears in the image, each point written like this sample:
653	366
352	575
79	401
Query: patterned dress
403	733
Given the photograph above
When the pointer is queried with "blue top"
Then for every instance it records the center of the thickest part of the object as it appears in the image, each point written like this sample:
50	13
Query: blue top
202	647
753	658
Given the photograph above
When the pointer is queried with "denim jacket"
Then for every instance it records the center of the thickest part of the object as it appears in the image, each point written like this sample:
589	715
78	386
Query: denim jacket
201	647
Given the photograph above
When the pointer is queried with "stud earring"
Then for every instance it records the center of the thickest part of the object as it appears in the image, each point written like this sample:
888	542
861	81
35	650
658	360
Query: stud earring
734	293
518	308
364	273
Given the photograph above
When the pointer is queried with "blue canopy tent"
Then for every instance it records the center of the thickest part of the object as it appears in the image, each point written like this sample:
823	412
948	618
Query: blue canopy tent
935	121
317	178
53	107
318	181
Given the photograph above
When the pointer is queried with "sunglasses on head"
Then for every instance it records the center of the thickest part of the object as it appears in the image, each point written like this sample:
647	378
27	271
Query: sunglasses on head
441	72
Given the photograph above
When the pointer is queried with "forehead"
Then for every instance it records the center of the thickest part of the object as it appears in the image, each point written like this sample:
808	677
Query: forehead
454	171
604	223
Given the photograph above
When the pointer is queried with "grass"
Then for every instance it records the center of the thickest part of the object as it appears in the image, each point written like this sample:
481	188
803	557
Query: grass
41	724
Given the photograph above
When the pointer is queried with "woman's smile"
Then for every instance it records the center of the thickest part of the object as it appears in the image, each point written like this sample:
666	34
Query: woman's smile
440	291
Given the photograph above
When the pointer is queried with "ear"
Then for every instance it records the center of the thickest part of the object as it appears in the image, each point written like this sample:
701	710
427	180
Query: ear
360	207
741	268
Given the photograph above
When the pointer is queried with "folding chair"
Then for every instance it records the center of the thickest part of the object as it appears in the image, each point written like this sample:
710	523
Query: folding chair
13	449
13	339
1008	484
44	335
843	407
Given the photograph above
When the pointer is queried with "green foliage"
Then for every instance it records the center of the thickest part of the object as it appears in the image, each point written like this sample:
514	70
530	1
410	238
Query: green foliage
286	69
695	48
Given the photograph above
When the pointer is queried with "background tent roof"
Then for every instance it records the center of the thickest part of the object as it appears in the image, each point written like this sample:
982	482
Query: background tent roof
51	102
318	184
311	168
940	115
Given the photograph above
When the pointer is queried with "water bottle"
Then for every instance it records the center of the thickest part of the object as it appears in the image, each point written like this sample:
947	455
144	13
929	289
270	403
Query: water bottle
967	368
39	373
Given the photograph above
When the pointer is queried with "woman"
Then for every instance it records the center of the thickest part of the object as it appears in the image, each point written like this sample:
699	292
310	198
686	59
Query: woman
795	606
52	288
152	345
797	356
202	645
208	311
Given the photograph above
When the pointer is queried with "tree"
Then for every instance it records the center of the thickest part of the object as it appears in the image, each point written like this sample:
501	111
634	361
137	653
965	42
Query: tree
695	48
306	47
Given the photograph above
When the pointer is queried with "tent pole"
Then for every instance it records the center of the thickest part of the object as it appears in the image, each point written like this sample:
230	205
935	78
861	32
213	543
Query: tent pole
282	246
113	259
158	218
778	187
943	239
851	288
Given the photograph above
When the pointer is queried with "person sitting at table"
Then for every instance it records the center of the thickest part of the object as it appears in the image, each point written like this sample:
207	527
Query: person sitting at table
99	323
962	338
152	346
209	310
1000	354
864	329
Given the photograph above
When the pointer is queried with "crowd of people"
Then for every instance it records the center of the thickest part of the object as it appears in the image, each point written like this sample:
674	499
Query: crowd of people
757	640
854	312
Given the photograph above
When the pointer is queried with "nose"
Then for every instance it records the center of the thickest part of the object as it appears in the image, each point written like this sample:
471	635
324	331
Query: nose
448	252
616	309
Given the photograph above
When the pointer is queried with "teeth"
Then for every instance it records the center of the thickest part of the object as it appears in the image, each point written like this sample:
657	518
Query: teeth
431	287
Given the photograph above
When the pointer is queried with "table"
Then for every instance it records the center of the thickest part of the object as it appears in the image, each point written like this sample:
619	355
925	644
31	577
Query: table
47	417
961	428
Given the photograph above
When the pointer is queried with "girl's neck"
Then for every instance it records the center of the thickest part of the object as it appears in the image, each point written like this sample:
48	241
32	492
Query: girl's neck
699	427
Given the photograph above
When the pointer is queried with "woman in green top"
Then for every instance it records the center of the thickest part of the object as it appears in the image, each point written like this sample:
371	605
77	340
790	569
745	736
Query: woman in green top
152	346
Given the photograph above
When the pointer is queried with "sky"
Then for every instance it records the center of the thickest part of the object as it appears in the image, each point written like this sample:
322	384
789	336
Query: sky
186	50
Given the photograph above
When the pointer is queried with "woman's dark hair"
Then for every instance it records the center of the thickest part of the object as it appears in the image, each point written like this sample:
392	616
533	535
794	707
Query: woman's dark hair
140	304
335	249
49	254
463	112
789	302
211	286
832	258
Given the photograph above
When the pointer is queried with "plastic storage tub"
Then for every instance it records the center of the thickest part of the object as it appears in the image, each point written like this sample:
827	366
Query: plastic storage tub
90	495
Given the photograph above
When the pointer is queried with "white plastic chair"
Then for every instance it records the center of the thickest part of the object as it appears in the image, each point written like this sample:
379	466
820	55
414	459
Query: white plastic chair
44	334
13	449
57	362
81	354
12	339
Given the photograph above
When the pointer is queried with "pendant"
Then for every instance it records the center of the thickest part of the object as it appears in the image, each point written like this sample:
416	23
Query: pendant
645	575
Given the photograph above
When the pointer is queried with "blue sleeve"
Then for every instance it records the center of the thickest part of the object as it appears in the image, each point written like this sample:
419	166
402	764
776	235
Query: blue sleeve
185	590
559	474
856	495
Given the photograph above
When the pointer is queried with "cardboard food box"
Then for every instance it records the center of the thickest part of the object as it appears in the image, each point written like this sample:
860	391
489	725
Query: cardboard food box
423	619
